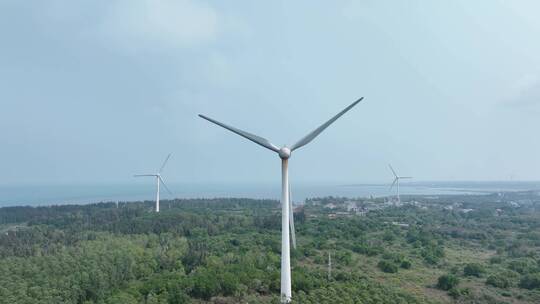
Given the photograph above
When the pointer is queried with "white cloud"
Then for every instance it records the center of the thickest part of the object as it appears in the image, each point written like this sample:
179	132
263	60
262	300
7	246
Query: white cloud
158	24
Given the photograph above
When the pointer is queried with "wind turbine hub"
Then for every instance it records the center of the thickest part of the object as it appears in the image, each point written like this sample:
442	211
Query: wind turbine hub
284	153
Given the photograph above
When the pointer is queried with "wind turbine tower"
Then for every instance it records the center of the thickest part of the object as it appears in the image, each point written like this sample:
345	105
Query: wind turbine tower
397	178
286	208
159	180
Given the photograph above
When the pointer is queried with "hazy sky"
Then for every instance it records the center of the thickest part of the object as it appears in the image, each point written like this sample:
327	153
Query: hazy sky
94	91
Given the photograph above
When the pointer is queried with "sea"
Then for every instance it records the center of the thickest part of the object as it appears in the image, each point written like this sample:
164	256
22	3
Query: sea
45	195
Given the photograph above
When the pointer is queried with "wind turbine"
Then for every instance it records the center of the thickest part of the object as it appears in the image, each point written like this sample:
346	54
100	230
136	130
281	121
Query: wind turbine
159	180
286	207
397	178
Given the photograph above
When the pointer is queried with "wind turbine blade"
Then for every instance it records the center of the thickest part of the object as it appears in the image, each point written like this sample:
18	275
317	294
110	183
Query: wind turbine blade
164	163
308	138
139	175
163	183
394	172
254	138
392	186
402	177
291	219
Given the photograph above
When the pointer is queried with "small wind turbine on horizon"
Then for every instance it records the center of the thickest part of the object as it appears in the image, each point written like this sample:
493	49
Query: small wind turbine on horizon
287	219
397	178
159	180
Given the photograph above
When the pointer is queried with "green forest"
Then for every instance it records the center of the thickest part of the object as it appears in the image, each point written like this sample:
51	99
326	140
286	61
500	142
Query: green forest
432	249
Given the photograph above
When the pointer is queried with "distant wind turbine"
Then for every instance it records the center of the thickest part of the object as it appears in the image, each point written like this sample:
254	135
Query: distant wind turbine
397	178
286	207
159	180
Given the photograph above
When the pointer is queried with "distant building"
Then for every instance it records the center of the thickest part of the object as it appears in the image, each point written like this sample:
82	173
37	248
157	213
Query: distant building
403	225
513	204
330	206
352	206
362	212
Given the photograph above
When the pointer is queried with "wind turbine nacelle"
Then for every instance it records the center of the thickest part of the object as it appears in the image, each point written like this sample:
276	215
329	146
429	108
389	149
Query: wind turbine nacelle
284	153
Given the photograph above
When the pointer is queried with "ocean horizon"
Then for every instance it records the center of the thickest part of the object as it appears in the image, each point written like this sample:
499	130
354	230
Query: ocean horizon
40	195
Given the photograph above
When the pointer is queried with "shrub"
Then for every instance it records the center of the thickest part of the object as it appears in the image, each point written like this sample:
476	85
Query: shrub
454	293
205	285
344	258
302	281
458	292
473	269
387	266
368	250
432	254
390	256
522	266
388	236
405	264
496	260
430	258
499	280
343	276
447	282
530	281
228	284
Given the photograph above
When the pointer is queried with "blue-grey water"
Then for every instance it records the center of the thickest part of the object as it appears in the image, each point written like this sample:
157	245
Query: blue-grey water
84	194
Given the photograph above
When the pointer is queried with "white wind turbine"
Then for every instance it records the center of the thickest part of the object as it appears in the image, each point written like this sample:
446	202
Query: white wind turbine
286	207
158	180
397	178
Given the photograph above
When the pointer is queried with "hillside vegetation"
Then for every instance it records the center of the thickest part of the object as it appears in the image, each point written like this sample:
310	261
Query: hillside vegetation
451	249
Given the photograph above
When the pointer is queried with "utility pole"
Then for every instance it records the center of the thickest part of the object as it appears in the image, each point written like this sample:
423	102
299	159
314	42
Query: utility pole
329	267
